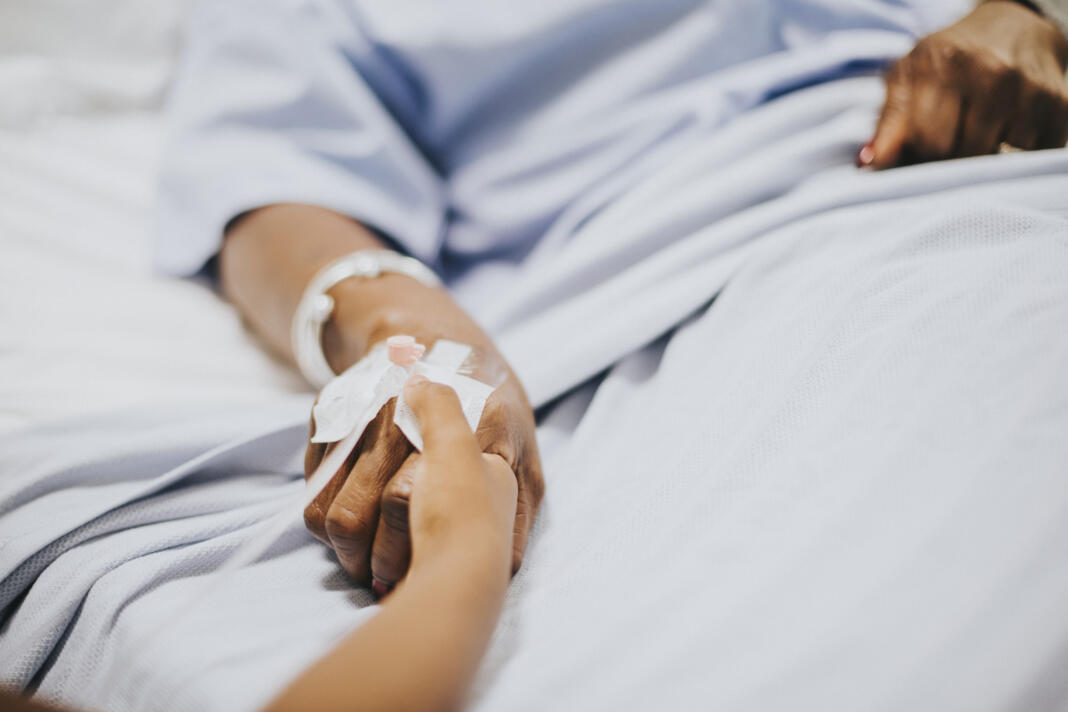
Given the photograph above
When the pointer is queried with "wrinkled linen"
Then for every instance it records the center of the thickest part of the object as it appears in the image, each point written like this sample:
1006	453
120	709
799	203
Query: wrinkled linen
840	485
804	431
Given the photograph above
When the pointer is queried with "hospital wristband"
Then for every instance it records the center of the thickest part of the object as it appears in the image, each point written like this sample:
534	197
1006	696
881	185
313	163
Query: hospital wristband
316	306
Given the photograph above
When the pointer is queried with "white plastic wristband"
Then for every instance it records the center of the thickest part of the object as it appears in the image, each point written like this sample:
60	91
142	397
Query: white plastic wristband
316	306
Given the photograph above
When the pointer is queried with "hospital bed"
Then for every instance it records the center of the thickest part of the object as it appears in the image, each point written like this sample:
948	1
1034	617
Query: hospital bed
934	577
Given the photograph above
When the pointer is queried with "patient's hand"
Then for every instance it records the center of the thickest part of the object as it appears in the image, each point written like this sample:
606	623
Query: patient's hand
267	260
364	514
995	77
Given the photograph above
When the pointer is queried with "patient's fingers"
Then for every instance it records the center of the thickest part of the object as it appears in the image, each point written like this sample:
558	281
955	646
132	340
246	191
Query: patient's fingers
392	549
526	506
981	132
892	131
934	122
315	513
352	517
1044	123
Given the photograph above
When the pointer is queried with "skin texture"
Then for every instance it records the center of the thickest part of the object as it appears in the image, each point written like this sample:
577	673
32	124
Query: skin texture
422	649
995	77
267	259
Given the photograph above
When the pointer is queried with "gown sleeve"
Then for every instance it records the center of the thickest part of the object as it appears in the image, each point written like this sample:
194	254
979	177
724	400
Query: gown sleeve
268	106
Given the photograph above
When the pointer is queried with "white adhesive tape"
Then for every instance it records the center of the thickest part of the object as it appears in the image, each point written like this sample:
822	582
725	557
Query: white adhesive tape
348	404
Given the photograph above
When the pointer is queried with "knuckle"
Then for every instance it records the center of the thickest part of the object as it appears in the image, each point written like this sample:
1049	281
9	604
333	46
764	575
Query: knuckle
343	526
1046	99
1008	79
397	494
924	145
1014	76
952	56
396	518
496	442
396	498
927	47
314	520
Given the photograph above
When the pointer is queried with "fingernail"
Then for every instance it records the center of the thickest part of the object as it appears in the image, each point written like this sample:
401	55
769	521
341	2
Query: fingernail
866	155
380	588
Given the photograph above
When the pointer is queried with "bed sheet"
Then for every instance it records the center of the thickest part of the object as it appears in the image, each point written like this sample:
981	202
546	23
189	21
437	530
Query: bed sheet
851	496
862	505
88	327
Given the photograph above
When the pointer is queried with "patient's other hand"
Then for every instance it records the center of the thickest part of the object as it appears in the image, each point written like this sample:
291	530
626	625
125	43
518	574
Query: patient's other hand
995	77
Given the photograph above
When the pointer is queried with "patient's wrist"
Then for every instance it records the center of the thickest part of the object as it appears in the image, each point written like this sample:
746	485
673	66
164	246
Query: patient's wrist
368	311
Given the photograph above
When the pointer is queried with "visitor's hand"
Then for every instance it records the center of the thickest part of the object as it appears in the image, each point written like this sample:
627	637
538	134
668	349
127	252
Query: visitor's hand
364	513
463	501
995	77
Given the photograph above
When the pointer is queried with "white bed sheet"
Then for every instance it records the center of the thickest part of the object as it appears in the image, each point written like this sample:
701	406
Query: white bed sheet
789	593
87	326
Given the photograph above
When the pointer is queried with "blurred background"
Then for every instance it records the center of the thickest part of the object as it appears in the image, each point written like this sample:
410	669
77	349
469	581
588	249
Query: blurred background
80	134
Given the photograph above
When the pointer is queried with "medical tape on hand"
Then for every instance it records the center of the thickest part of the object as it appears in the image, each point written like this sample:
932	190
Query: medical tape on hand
349	403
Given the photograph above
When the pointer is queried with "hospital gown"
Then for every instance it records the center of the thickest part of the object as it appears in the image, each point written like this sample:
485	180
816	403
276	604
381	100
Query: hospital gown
803	426
469	130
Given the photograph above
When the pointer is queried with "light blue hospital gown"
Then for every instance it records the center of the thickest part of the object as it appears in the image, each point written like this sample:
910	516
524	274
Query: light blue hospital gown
466	130
483	137
841	486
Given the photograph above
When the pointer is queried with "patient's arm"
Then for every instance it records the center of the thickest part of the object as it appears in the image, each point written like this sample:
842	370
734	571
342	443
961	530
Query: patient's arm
422	649
268	258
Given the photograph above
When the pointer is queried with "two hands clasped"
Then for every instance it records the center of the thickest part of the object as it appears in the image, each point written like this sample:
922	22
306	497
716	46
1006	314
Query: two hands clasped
421	649
367	514
451	497
463	500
